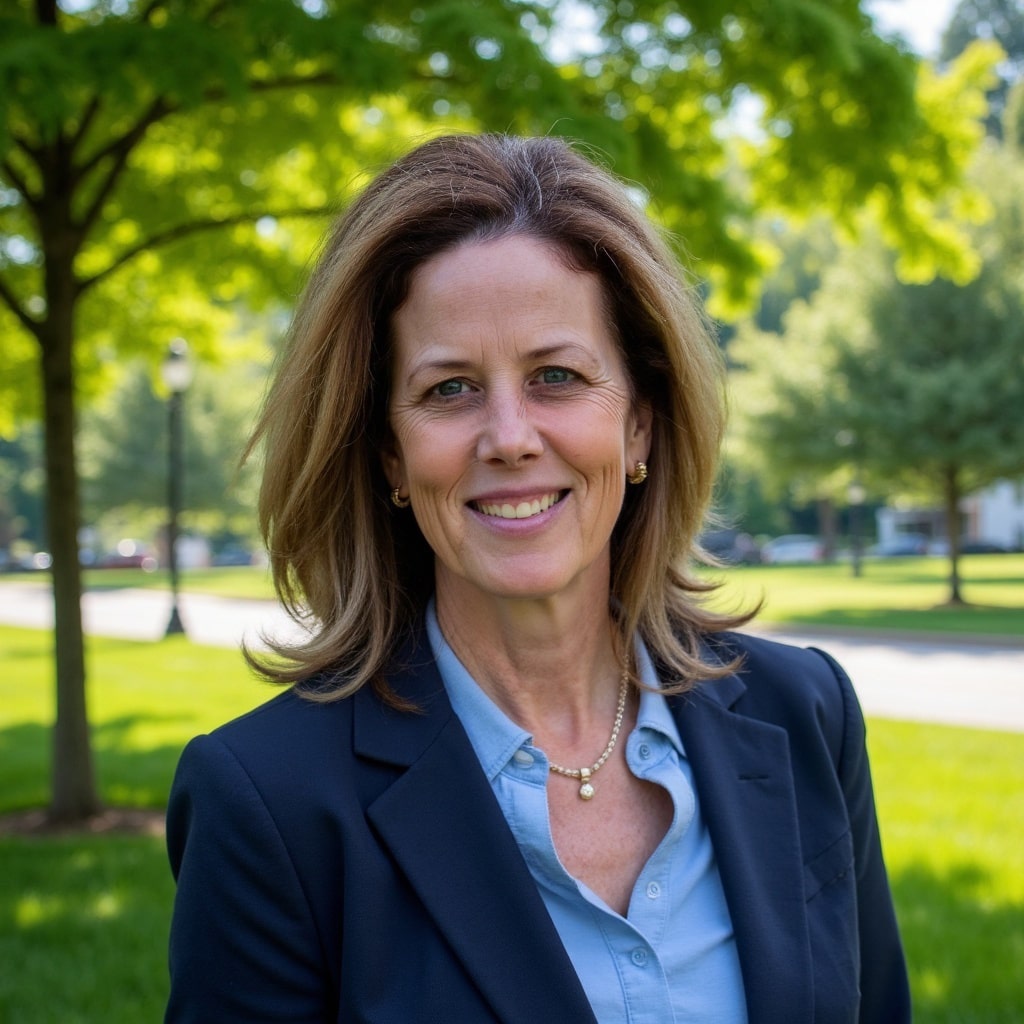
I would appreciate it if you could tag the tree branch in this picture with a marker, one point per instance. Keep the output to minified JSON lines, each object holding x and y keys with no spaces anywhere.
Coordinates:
{"x":293,"y":81}
{"x":11,"y":301}
{"x":124,"y":144}
{"x":46,"y":12}
{"x":92,"y":108}
{"x":120,"y":149}
{"x":181,"y":231}
{"x":19,"y":183}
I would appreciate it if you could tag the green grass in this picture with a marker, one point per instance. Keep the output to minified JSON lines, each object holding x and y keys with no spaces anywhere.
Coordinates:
{"x":85,"y":918}
{"x":951,"y":807}
{"x":243,"y":582}
{"x":83,"y":925}
{"x":144,"y":701}
{"x":892,"y":593}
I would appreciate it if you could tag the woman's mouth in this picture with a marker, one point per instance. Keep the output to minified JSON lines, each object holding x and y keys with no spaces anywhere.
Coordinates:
{"x":521,"y":509}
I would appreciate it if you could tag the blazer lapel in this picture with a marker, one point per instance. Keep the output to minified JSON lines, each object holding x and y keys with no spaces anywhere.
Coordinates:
{"x":744,"y":782}
{"x":442,"y":823}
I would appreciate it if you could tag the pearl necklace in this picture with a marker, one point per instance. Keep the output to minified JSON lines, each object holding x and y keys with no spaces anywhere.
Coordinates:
{"x":584,"y":774}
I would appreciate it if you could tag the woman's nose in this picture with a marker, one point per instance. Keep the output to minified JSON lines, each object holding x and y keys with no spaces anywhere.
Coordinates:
{"x":508,"y":432}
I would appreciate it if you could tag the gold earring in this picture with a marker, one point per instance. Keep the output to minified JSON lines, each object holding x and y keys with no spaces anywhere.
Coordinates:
{"x":639,"y":475}
{"x":397,"y":500}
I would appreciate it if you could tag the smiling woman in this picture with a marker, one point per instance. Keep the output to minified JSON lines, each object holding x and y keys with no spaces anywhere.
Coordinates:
{"x":523,"y":774}
{"x":516,"y":468}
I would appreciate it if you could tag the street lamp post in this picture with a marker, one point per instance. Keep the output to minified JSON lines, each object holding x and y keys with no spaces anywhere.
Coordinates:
{"x":176,"y":371}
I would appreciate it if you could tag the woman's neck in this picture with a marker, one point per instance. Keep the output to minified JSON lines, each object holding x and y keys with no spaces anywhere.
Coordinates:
{"x":549,"y":664}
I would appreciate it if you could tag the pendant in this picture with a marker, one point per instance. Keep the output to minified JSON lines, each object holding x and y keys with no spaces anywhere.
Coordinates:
{"x":586,"y":789}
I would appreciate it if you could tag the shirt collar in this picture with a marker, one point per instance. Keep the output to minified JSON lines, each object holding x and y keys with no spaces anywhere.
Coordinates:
{"x":495,"y":737}
{"x":654,"y":713}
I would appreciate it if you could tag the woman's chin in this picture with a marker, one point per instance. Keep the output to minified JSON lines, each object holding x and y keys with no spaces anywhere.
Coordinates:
{"x":540,"y":579}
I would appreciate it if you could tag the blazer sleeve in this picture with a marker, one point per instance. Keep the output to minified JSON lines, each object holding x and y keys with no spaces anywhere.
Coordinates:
{"x":244,"y":944}
{"x":885,"y":992}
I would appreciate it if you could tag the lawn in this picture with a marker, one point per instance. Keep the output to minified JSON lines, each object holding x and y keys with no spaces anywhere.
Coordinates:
{"x":85,"y":918}
{"x":892,"y":593}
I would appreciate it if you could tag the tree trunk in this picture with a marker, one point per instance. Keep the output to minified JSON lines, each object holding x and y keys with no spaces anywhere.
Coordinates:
{"x":951,"y":492}
{"x":74,"y":796}
{"x":828,"y":527}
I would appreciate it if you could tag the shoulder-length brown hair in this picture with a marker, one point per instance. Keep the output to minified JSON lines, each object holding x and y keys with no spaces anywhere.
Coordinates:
{"x":357,"y":570}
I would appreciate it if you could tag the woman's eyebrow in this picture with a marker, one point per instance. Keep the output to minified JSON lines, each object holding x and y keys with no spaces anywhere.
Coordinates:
{"x":442,"y":363}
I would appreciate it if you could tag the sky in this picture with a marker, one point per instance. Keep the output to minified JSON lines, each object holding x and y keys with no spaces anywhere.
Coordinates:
{"x":920,"y":22}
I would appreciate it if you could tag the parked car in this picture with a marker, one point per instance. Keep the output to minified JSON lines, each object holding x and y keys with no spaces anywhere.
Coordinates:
{"x":35,"y":562}
{"x":731,"y":546}
{"x":902,"y":545}
{"x":792,"y":548}
{"x":232,"y":554}
{"x":983,"y":547}
{"x":129,"y":554}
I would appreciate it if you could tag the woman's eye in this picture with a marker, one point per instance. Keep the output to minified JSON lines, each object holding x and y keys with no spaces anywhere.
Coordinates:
{"x":556,"y":375}
{"x":450,"y":388}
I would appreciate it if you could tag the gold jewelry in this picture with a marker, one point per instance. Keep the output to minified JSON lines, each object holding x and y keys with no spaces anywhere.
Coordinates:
{"x":584,"y":774}
{"x":397,"y":500}
{"x":639,"y":475}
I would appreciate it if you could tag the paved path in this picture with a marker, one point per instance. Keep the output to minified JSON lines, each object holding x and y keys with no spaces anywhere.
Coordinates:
{"x":947,"y":681}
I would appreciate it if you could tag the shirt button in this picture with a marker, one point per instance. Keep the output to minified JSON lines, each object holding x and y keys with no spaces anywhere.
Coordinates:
{"x":639,"y":956}
{"x":523,"y":757}
{"x":653,"y":890}
{"x":644,"y":751}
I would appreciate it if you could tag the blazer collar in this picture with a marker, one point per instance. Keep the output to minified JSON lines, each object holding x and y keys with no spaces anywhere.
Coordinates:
{"x":444,"y":827}
{"x":741,"y":769}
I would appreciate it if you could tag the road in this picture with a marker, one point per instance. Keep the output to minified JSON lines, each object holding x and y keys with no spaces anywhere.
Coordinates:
{"x":942,"y":680}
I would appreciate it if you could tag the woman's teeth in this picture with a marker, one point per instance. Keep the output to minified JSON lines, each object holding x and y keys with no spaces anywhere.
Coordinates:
{"x":523,"y":510}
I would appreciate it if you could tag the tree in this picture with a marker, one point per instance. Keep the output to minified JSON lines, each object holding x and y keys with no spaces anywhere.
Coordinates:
{"x":917,"y":387}
{"x":998,"y":20}
{"x":21,"y":486}
{"x":156,"y":157}
{"x":123,"y":454}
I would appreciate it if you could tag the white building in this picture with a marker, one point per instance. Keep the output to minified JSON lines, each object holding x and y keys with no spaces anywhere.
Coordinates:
{"x":997,"y":514}
{"x":994,"y":515}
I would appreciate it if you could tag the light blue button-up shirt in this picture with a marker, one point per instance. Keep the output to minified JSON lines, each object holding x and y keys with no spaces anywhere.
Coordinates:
{"x":672,"y":959}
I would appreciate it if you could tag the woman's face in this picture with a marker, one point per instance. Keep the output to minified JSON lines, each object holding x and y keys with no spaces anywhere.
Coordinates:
{"x":512,"y":420}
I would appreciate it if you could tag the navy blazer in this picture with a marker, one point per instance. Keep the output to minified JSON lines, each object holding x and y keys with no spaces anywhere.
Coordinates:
{"x":349,"y":862}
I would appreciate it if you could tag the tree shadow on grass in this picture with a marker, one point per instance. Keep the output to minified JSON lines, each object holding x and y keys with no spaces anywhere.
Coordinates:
{"x":943,"y":621}
{"x":964,"y":952}
{"x":128,"y":774}
{"x":85,"y":921}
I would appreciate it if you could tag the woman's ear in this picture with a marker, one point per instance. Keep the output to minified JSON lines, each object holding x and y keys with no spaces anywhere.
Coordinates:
{"x":392,"y":463}
{"x":638,"y":443}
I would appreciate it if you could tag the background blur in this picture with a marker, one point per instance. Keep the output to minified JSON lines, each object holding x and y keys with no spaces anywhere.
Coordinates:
{"x":844,"y":182}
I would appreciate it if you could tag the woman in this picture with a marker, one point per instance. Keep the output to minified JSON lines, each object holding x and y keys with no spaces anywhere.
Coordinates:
{"x":520,"y":774}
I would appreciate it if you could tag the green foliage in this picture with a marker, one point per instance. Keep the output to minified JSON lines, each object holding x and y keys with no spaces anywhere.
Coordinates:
{"x":741,"y":502}
{"x":901,"y":384}
{"x":999,"y":20}
{"x":124,"y":459}
{"x":178,"y":119}
{"x":1013,"y":119}
{"x":21,"y":491}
